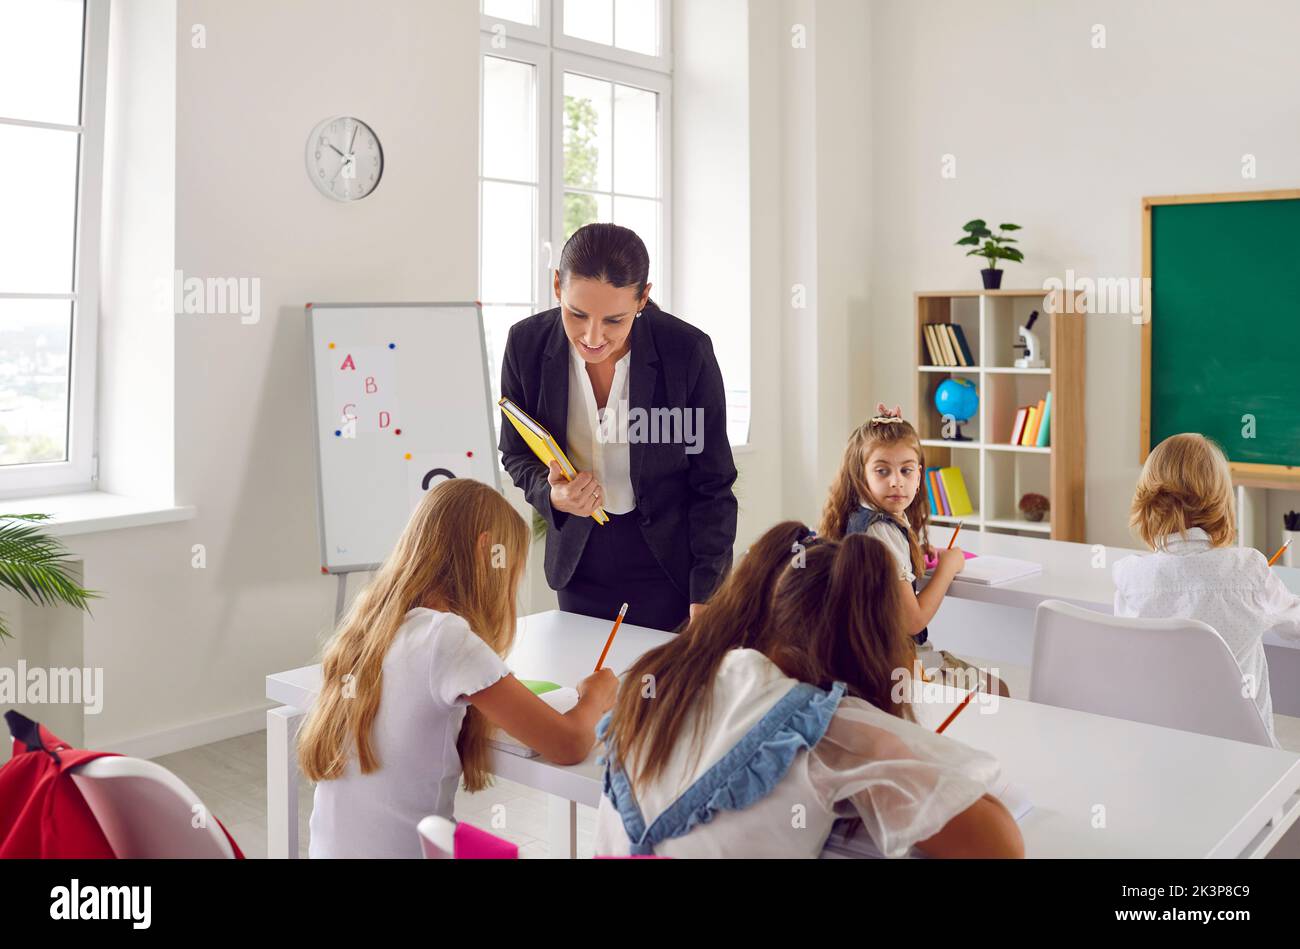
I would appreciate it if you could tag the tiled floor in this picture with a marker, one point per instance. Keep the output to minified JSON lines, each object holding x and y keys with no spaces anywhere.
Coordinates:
{"x":230,"y":778}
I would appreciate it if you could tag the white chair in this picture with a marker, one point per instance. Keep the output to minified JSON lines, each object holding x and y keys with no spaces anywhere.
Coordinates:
{"x":146,"y":812}
{"x":437,"y":838}
{"x":1178,"y":673}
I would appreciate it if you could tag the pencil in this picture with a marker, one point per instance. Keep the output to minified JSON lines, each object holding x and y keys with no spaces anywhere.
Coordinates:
{"x":953,"y":539}
{"x":957,"y":711}
{"x":1280,"y":551}
{"x":605,"y":652}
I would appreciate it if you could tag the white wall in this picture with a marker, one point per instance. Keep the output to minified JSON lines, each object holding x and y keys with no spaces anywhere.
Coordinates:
{"x":1065,"y":140}
{"x":181,"y":645}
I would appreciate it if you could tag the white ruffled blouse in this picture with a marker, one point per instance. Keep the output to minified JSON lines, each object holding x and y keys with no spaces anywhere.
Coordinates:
{"x":904,"y":781}
{"x":1231,"y":588}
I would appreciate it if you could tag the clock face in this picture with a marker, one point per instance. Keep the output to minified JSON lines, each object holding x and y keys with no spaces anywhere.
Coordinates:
{"x":344,"y":158}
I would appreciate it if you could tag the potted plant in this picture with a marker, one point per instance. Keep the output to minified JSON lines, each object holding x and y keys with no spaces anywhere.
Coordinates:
{"x":35,"y":565}
{"x":984,"y":243}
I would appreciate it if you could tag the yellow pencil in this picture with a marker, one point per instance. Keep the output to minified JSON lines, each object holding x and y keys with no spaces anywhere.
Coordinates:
{"x":1280,"y":551}
{"x":605,"y":652}
{"x":952,"y":540}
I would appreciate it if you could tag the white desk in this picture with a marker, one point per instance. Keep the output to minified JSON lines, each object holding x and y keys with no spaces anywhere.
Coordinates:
{"x":998,"y":622}
{"x":1166,"y":793}
{"x":551,"y":646}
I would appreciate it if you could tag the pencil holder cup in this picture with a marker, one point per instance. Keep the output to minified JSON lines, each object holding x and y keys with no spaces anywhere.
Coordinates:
{"x":1292,"y":538}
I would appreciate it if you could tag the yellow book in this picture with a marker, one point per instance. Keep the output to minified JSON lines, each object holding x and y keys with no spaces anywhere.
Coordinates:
{"x":954,"y":485}
{"x":1031,"y":424}
{"x":544,"y":446}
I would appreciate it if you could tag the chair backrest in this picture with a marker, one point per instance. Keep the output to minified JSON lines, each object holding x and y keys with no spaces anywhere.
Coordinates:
{"x":437,"y":838}
{"x":1178,"y":673}
{"x":147,"y":812}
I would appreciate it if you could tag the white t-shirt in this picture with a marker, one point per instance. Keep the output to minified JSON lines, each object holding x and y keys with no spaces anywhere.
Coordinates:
{"x":1231,"y":588}
{"x":896,"y":541}
{"x":609,"y":460}
{"x":904,"y":781}
{"x":435,"y":661}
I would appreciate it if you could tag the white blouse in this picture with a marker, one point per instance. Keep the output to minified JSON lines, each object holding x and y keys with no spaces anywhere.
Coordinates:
{"x":1231,"y":588}
{"x":904,"y":781}
{"x":589,"y":448}
{"x":894,"y":539}
{"x":435,"y":661}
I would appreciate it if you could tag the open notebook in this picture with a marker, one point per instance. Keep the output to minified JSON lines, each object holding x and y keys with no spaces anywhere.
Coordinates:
{"x":559,"y":699}
{"x":991,"y":570}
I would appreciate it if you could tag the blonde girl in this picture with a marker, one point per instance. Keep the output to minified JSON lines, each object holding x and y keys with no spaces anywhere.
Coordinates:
{"x":1183,"y":509}
{"x":414,"y":680}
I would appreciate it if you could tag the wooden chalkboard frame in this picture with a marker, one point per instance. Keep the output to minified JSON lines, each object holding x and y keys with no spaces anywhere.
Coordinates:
{"x":1251,"y":475}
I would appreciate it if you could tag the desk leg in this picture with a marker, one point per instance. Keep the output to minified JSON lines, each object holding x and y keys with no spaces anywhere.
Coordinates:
{"x":282,"y":781}
{"x":562,"y":827}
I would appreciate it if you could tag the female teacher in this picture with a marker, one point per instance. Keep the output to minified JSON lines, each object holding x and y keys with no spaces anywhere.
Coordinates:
{"x":635,"y":398}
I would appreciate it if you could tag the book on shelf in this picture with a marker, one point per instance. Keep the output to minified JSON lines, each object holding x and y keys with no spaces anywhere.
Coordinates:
{"x":932,"y":345}
{"x":967,"y":358}
{"x":929,"y":491}
{"x":1045,"y":429}
{"x":1018,"y":426}
{"x":945,"y":345}
{"x":954,"y":488}
{"x":1030,"y":423}
{"x":936,"y":499}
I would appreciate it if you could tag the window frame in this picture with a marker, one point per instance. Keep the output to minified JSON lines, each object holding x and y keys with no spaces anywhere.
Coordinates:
{"x":540,"y":58}
{"x":79,"y":471}
{"x":537,"y":35}
{"x":546,"y":47}
{"x":621,"y":74}
{"x":662,"y":63}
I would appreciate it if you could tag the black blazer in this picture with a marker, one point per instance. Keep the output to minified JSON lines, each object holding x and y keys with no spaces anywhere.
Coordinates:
{"x":685,"y":502}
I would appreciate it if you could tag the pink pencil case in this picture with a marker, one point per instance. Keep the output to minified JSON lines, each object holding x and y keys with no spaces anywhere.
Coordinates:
{"x":932,"y":562}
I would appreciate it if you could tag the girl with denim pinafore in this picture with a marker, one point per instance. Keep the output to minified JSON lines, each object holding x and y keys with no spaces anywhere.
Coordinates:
{"x":773,"y":715}
{"x":878,"y":493}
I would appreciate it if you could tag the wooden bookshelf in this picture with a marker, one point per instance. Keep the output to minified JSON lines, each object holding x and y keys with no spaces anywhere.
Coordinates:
{"x":997,"y":473}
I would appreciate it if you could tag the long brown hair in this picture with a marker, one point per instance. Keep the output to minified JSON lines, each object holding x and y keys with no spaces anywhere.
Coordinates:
{"x":831,"y":612}
{"x":846,"y":604}
{"x":645,"y":730}
{"x":850,"y":487}
{"x":464,"y":547}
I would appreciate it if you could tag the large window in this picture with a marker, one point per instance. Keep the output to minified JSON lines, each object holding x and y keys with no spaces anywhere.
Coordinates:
{"x":51,"y":107}
{"x":576,"y":100}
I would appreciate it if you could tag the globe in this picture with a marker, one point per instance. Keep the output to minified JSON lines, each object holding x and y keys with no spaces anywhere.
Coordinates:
{"x":960,"y":399}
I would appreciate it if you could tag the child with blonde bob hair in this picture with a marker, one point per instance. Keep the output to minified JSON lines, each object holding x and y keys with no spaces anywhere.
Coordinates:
{"x":414,"y":680}
{"x":1183,"y":510}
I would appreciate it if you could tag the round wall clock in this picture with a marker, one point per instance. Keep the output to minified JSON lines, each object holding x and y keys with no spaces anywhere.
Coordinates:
{"x":344,"y":158}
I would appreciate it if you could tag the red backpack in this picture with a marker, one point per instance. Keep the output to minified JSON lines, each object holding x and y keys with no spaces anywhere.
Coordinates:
{"x":42,"y":813}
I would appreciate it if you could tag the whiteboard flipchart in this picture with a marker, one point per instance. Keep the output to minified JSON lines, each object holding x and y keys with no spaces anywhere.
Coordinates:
{"x":401,"y":401}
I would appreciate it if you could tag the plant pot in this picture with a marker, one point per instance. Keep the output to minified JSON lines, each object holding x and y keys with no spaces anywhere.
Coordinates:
{"x":992,"y":278}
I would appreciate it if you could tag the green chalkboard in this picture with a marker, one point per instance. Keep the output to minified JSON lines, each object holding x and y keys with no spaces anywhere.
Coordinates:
{"x":1225,"y":326}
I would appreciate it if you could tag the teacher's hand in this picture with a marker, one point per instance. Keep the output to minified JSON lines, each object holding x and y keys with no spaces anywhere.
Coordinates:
{"x":581,"y":496}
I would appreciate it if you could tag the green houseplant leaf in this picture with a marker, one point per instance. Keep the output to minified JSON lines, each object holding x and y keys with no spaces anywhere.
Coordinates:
{"x":992,"y":247}
{"x":36,"y":566}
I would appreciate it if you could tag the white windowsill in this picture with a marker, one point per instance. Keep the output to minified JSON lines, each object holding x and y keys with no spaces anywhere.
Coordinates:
{"x":90,"y":512}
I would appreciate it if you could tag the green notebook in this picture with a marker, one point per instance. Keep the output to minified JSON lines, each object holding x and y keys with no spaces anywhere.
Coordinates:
{"x":538,"y":687}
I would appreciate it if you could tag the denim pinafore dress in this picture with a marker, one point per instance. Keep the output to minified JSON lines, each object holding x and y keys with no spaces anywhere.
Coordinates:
{"x":863,"y":518}
{"x":744,"y":775}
